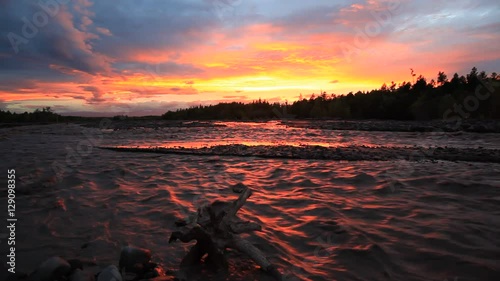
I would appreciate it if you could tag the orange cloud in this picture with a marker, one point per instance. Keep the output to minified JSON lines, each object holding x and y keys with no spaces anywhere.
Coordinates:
{"x":263,"y":58}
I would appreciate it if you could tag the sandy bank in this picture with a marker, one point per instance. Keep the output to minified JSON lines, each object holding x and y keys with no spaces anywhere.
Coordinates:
{"x":350,"y":153}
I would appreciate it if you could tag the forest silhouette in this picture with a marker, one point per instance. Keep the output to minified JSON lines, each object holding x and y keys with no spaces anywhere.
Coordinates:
{"x":420,"y":100}
{"x":45,"y":115}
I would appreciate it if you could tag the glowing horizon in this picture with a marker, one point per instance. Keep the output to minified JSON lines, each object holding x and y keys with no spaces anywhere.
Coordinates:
{"x":94,"y":57}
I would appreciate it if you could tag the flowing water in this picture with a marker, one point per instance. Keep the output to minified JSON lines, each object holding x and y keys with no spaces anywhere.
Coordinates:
{"x":322,"y":220}
{"x":277,"y":133}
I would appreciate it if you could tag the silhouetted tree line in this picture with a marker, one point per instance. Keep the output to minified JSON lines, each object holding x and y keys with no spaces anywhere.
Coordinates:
{"x":234,"y":111}
{"x":44,"y":115}
{"x":420,"y":100}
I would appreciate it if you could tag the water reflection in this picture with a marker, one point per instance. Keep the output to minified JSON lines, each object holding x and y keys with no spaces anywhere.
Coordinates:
{"x":276,"y":133}
{"x":322,"y":220}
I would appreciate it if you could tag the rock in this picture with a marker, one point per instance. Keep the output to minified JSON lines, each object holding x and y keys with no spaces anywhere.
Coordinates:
{"x":93,"y":249}
{"x":110,"y":273}
{"x":80,"y":275}
{"x":151,"y":273}
{"x":54,"y":268}
{"x":76,"y":264}
{"x":134,"y":259}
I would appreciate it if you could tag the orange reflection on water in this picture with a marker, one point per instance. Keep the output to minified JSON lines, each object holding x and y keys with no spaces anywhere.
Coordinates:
{"x":207,"y":143}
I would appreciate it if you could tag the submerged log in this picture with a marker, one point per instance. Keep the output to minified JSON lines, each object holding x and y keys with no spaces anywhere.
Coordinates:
{"x":215,"y":228}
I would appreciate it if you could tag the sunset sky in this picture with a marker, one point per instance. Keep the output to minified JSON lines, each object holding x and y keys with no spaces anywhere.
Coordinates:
{"x":98,"y":58}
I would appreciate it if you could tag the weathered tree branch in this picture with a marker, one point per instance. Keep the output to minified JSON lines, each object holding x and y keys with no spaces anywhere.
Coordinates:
{"x":246,"y":247}
{"x":215,"y":228}
{"x":239,"y":203}
{"x":244,"y":227}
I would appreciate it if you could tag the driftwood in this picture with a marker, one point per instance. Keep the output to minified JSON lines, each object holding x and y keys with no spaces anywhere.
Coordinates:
{"x":215,"y":227}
